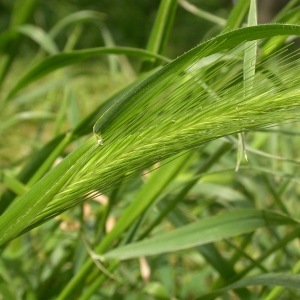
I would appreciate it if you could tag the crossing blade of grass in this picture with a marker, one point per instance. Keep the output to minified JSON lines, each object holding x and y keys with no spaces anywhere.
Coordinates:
{"x":201,"y":232}
{"x":285,"y":280}
{"x":274,"y":43}
{"x":14,"y":184}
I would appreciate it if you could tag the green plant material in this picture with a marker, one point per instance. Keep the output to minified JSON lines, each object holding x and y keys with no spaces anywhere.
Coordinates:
{"x":275,"y":195}
{"x":237,"y":15}
{"x":109,"y":42}
{"x":43,"y":161}
{"x":250,"y":52}
{"x":275,"y":43}
{"x":249,"y":72}
{"x":182,"y":106}
{"x":28,"y":171}
{"x":291,"y":4}
{"x":26,"y":116}
{"x":76,"y":18}
{"x":286,"y":280}
{"x":201,"y":232}
{"x":202,"y":14}
{"x":61,"y":60}
{"x":40,"y":37}
{"x":209,"y":251}
{"x":160,"y":32}
{"x":182,"y":193}
{"x":147,"y":195}
{"x":180,"y":127}
{"x":278,"y":246}
{"x":21,"y":13}
{"x":157,"y":290}
{"x":14,"y":184}
{"x":278,"y":290}
{"x":13,"y":226}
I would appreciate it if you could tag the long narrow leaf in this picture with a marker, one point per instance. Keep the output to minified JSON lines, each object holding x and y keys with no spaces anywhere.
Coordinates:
{"x":202,"y":232}
{"x":61,"y":60}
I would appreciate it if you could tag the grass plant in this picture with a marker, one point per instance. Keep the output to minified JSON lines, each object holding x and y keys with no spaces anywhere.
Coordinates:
{"x":147,"y":194}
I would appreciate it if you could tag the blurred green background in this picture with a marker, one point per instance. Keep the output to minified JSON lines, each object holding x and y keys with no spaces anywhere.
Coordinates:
{"x":129,"y":21}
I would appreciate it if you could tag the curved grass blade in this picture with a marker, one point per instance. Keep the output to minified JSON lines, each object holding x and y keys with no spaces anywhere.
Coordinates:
{"x":75,"y":18}
{"x":39,"y":36}
{"x":61,"y":60}
{"x":202,"y":232}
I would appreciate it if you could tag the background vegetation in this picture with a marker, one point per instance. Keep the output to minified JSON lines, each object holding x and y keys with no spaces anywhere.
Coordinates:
{"x":186,"y":188}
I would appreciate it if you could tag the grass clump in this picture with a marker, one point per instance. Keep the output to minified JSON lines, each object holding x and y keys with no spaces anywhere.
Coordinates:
{"x":92,"y":219}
